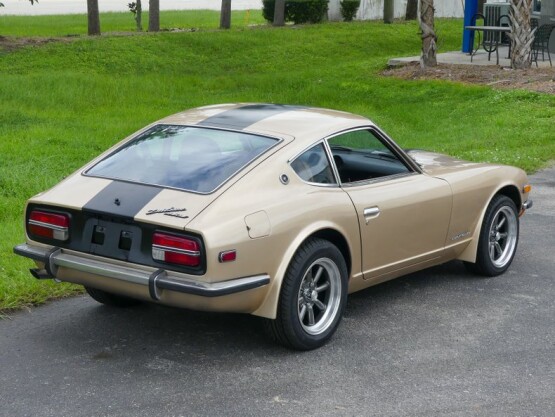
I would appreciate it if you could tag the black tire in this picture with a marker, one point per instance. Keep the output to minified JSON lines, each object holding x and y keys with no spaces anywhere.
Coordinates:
{"x":498,"y":238}
{"x":313,"y":297}
{"x":110,"y":299}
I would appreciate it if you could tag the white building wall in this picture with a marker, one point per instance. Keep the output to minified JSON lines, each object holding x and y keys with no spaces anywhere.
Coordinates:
{"x":373,"y":9}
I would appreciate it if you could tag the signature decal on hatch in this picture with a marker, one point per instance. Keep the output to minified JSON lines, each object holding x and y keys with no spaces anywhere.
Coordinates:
{"x":172,"y":211}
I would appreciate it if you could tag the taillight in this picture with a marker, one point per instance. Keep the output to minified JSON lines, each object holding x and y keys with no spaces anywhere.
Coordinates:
{"x":49,"y":225}
{"x":175,"y":249}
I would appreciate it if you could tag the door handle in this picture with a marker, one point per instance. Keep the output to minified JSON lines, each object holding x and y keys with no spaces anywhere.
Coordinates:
{"x":371,"y":213}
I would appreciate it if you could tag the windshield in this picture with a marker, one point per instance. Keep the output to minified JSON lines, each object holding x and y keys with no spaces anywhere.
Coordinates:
{"x":189,"y":158}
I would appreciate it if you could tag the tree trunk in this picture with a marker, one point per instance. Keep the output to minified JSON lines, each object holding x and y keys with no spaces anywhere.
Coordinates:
{"x":93,"y":18}
{"x":388,"y":11}
{"x":411,"y":12}
{"x":279,"y":13}
{"x":429,"y":38}
{"x":139,"y":15}
{"x":154,"y":16}
{"x":225,"y":16}
{"x":521,"y":34}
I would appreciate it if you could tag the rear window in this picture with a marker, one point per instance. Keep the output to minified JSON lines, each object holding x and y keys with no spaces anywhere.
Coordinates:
{"x":190,"y":158}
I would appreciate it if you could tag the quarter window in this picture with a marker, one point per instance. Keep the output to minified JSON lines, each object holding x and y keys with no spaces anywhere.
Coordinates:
{"x":361,"y":155}
{"x":313,"y":166}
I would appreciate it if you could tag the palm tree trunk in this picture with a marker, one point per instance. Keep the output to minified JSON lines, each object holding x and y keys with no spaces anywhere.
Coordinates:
{"x":521,"y":34}
{"x":429,"y":38}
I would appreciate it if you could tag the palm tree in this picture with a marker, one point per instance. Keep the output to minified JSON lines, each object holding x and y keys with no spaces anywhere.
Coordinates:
{"x":521,"y":34}
{"x":429,"y":38}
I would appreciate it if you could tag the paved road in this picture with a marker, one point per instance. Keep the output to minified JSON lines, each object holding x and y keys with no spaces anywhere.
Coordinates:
{"x":47,"y":7}
{"x":435,"y":343}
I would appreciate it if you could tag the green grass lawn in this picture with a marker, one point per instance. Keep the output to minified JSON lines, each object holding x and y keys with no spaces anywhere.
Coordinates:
{"x":76,"y":24}
{"x":64,"y":102}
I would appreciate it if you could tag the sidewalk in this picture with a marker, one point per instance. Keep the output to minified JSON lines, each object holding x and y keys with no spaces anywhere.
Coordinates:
{"x":461,"y":58}
{"x":49,"y":7}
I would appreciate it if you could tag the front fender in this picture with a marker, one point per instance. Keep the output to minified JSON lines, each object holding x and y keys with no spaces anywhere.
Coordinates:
{"x":511,"y":187}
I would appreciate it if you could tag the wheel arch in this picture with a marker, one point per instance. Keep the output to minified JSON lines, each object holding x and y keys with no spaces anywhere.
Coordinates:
{"x":335,"y":237}
{"x":327,"y":232}
{"x":509,"y":190}
{"x":513,"y":193}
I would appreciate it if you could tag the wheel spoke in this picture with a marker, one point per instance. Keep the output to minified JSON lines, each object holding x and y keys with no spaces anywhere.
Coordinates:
{"x":498,"y":248}
{"x":495,"y":222}
{"x":323,"y":287}
{"x":303,"y":312}
{"x":318,"y":274}
{"x":501,"y":223}
{"x":320,"y":305}
{"x":502,"y":235}
{"x":311,"y":321}
{"x":492,"y":250}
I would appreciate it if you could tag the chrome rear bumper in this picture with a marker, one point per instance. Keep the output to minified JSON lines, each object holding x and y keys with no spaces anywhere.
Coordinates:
{"x":158,"y":279}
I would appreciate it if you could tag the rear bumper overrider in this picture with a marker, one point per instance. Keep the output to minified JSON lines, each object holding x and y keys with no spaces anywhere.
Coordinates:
{"x":157,"y":280}
{"x":527,"y":205}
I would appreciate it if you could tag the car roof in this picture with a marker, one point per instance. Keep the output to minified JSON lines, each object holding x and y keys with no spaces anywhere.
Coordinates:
{"x":286,"y":121}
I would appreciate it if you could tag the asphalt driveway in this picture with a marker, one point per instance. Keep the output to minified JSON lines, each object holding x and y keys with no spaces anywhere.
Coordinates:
{"x":440,"y":342}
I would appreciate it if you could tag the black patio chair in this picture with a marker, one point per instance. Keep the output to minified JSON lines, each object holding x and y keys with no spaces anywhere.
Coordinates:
{"x":533,"y":23}
{"x":504,"y":20}
{"x":489,"y":46}
{"x":541,"y":42}
{"x":504,"y":38}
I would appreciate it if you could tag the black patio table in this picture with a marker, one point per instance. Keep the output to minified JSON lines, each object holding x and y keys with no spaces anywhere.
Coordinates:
{"x":497,"y":30}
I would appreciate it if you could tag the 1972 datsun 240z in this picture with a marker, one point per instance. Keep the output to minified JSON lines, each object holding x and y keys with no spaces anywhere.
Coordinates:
{"x":272,"y":210}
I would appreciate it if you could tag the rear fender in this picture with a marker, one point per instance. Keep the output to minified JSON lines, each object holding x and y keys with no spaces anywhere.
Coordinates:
{"x":269,"y":306}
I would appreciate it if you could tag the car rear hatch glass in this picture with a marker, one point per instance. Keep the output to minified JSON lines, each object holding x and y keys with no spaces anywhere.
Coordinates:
{"x":183,"y":157}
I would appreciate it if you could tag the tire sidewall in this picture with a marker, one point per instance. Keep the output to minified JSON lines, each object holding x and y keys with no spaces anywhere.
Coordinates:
{"x":483,"y":258}
{"x":318,"y":249}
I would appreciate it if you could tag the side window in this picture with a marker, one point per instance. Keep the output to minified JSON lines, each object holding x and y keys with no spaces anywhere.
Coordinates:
{"x":313,"y":166}
{"x":360,"y":156}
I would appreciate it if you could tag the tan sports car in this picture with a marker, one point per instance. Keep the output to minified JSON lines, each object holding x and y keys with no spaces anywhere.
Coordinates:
{"x":272,"y":210}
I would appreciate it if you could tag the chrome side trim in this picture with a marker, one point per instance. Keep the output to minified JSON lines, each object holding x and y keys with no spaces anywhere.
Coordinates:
{"x":159,"y":279}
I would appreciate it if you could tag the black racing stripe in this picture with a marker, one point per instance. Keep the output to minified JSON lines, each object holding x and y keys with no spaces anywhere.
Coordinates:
{"x":242,"y":117}
{"x":122,"y":199}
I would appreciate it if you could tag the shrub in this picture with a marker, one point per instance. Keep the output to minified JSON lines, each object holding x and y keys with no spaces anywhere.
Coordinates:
{"x":349,"y":9}
{"x":297,"y":11}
